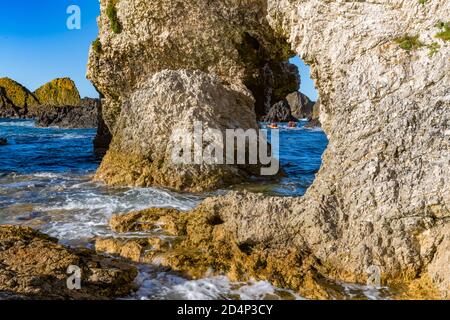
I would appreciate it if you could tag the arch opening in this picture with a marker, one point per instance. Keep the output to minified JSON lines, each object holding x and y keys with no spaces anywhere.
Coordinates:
{"x":289,"y":96}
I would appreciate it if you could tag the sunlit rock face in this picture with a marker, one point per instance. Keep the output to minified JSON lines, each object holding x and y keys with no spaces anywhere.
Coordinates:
{"x":229,"y":40}
{"x":35,"y":266}
{"x":146,"y":140}
{"x":382,"y":196}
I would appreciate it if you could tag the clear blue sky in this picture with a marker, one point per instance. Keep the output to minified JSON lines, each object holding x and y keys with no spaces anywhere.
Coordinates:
{"x":307,"y":85}
{"x":36,"y":46}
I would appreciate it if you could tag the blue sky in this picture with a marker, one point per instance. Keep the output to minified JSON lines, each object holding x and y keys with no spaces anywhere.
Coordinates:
{"x":307,"y":85}
{"x":36,"y":46}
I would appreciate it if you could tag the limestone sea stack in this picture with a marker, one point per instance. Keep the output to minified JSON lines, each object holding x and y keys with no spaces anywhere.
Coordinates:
{"x":381,"y":199}
{"x":164,"y":78}
{"x":142,"y":147}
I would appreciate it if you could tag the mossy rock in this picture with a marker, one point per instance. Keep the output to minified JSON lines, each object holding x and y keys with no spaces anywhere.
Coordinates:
{"x":444,"y":34}
{"x":409,"y":43}
{"x":16,"y":94}
{"x":58,"y":92}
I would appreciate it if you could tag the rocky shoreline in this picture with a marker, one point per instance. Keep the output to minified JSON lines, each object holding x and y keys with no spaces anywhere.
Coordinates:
{"x":35,"y":266}
{"x":84,"y":115}
{"x":56,"y":103}
{"x":378,"y":207}
{"x":380,"y":200}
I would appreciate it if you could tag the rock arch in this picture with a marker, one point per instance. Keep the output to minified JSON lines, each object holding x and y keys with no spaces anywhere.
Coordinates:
{"x":382,"y":196}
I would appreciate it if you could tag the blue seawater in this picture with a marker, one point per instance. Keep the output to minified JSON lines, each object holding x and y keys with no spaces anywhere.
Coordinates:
{"x":45,"y":179}
{"x":45,"y":183}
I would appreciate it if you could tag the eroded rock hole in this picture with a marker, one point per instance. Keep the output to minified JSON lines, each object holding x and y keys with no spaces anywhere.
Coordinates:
{"x":287,"y":99}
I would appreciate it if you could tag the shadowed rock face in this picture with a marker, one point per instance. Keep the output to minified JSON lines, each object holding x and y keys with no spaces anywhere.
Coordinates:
{"x":34,"y":265}
{"x":301,"y":106}
{"x":85,"y":115}
{"x":280,"y":112}
{"x":381,"y":197}
{"x":274,"y":82}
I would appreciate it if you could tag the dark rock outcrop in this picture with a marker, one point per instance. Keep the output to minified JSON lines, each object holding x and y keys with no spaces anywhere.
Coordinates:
{"x":103,"y":137}
{"x":271,"y":85}
{"x":34,"y":265}
{"x":315,"y":121}
{"x":280,"y":112}
{"x":301,"y":106}
{"x":85,"y":115}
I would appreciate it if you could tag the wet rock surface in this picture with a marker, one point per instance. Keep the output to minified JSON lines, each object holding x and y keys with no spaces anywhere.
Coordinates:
{"x":34,"y":265}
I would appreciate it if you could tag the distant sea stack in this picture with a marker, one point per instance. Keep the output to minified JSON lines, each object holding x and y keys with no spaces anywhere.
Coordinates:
{"x":58,"y":92}
{"x":15,"y":99}
{"x":56,"y":103}
{"x":301,"y":106}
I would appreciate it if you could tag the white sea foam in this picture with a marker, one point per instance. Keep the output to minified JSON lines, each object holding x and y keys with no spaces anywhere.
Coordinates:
{"x":70,"y":136}
{"x":315,"y":129}
{"x":168,"y":286}
{"x":49,"y":175}
{"x":354,"y":291}
{"x":17,"y":124}
{"x":80,"y":212}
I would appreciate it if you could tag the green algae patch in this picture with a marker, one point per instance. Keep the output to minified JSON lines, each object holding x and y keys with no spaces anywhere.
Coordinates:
{"x":111,"y":13}
{"x":97,"y":46}
{"x":58,"y":92}
{"x":444,"y":34}
{"x":409,"y":43}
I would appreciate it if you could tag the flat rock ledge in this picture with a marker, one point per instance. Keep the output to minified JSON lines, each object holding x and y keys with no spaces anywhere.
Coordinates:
{"x":33,"y":265}
{"x":208,"y":240}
